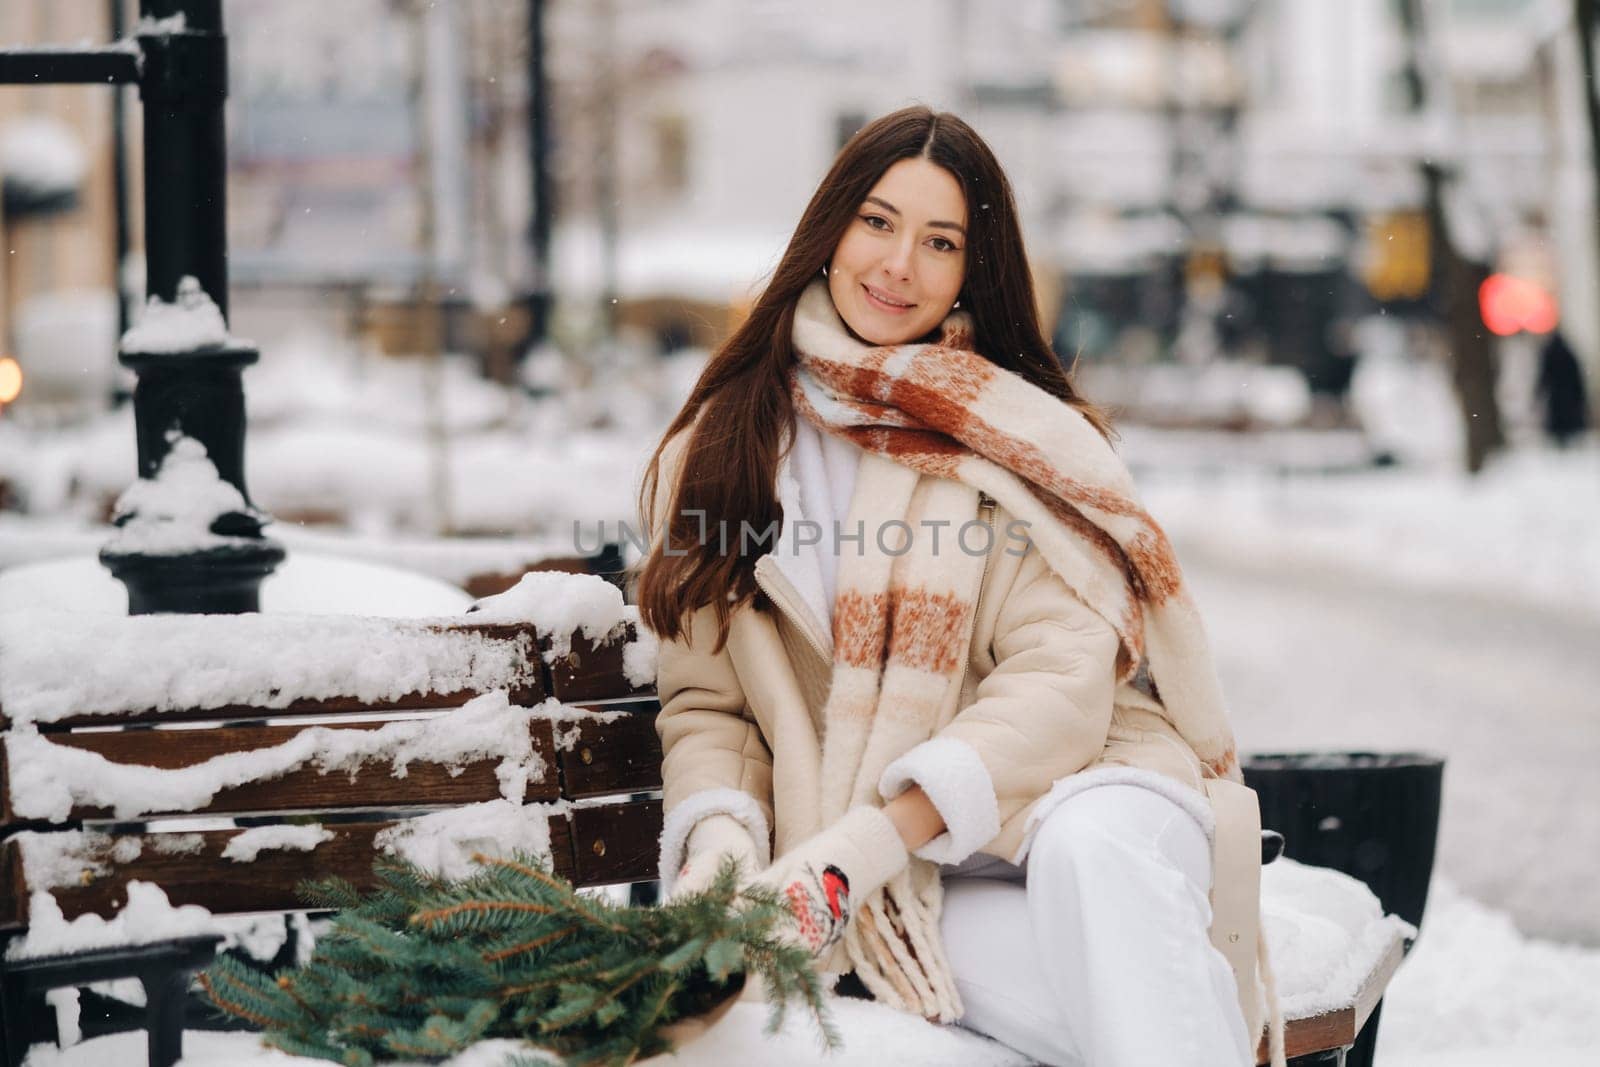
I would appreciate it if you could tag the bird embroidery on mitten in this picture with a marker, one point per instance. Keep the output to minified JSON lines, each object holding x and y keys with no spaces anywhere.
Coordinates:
{"x":821,"y":906}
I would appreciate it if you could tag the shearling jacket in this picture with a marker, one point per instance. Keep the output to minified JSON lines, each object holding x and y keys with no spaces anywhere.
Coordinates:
{"x":1039,"y":717}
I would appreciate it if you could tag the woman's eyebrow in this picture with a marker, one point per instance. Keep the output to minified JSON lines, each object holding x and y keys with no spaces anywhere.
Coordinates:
{"x":937,"y":223}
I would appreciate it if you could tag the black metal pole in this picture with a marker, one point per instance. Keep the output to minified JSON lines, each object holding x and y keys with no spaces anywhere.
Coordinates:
{"x":184,"y":86}
{"x":542,"y":225}
{"x":119,"y":177}
{"x":195,"y":393}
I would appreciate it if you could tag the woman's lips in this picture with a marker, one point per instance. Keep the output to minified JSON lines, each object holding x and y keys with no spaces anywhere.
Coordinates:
{"x":892,"y":309}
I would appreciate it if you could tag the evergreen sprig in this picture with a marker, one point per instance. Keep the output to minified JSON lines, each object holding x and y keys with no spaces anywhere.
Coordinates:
{"x":421,"y":967}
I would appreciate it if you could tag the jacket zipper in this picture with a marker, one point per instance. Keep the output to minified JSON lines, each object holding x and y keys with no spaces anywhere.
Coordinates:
{"x":783,"y":606}
{"x":986,"y":507}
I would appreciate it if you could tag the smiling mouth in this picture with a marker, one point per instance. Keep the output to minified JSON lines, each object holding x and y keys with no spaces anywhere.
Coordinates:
{"x":884,"y":302}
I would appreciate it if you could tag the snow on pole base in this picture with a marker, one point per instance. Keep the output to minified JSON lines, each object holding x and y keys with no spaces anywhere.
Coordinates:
{"x":192,"y":323}
{"x":190,"y":388}
{"x":178,"y":510}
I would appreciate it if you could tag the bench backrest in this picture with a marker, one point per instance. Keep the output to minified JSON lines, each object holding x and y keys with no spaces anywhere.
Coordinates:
{"x":591,"y":761}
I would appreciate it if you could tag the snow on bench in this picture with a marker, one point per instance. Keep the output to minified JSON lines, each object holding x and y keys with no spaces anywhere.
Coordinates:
{"x":525,"y":712}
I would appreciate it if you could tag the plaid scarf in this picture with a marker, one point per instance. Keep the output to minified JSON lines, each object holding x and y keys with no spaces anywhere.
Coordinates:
{"x":904,"y":611}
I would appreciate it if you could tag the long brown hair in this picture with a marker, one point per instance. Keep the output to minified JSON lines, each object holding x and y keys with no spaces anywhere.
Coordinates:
{"x":740,"y":408}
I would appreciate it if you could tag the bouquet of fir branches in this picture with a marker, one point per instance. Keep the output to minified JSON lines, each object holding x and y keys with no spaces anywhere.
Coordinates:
{"x":420,"y":967}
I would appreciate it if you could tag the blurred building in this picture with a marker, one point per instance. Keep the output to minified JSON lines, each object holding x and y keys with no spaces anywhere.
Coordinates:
{"x":1197,"y":178}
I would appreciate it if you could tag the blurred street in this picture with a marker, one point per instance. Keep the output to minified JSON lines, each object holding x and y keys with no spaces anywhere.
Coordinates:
{"x":1325,"y":658}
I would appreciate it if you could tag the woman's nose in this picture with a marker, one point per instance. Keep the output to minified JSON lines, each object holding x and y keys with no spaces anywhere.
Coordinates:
{"x":898,"y":261}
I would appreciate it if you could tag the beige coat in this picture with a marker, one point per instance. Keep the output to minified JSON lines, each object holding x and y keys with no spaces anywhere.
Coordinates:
{"x":1038,"y":703}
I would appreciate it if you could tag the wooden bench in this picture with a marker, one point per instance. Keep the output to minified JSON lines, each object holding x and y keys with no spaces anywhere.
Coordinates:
{"x":595,"y":771}
{"x":598,"y":764}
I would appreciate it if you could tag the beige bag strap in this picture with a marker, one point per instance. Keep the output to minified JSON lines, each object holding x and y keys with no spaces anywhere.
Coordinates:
{"x":1236,"y":889}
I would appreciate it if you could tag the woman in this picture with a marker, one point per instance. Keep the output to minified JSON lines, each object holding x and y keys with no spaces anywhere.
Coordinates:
{"x":926,"y":668}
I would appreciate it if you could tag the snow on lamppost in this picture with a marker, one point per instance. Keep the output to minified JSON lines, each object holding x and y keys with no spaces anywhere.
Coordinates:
{"x":188,"y":539}
{"x":206,"y":554}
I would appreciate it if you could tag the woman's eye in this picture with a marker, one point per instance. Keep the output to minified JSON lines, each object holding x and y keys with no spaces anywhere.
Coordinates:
{"x":944,"y":245}
{"x":873,"y":220}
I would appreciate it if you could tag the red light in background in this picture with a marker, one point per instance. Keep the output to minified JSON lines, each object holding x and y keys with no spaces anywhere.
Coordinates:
{"x":1509,"y":304}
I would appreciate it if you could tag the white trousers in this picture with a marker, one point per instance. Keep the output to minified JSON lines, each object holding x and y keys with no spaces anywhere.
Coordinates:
{"x":1099,"y":956}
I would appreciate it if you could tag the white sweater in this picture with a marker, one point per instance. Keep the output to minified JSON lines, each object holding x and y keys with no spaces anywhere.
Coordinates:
{"x":816,"y":481}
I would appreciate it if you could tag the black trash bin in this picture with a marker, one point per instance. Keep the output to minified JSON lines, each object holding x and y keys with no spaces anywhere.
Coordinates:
{"x":1372,"y":815}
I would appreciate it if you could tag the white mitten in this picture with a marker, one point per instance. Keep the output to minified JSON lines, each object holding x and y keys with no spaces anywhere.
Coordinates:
{"x":715,"y":838}
{"x":820,"y":876}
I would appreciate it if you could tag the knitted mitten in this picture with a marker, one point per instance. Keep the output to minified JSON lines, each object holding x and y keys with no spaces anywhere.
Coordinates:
{"x":819,"y":877}
{"x":715,"y":838}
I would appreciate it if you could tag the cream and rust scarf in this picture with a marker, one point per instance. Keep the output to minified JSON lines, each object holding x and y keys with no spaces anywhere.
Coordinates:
{"x":904,"y":609}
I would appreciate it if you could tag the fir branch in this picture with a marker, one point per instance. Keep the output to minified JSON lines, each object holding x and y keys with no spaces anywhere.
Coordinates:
{"x":529,"y":946}
{"x":424,"y":967}
{"x":438,"y":915}
{"x":564,"y":889}
{"x":232,"y":1007}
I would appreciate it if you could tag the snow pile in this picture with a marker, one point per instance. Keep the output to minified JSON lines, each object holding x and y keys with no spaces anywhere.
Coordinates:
{"x":1475,"y":991}
{"x":54,"y":664}
{"x":311,"y":584}
{"x":173,"y":512}
{"x":445,"y":841}
{"x":147,"y":916}
{"x":561,"y":604}
{"x":304,"y":584}
{"x":48,"y":780}
{"x":41,"y":156}
{"x":451,"y":559}
{"x":193,"y":321}
{"x":640,"y":656}
{"x":151,"y":26}
{"x":245,"y":847}
{"x":65,"y":859}
{"x":1325,"y":932}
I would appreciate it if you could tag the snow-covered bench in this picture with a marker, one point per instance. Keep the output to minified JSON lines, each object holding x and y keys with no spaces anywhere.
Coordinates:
{"x":526,"y":726}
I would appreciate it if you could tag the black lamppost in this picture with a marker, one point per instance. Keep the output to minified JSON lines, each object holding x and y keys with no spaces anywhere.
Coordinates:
{"x":189,"y":387}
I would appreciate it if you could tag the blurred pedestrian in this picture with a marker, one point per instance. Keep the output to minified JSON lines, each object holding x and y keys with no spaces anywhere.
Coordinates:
{"x":1561,"y":391}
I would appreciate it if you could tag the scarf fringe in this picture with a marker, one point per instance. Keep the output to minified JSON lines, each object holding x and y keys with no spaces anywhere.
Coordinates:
{"x":905,"y":968}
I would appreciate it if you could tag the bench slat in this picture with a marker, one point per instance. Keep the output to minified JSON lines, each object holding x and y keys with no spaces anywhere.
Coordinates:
{"x":523,"y":697}
{"x":305,"y":789}
{"x":622,"y":755}
{"x":616,"y":842}
{"x":1336,"y":1029}
{"x":221,"y":886}
{"x":591,"y":672}
{"x":527,"y":689}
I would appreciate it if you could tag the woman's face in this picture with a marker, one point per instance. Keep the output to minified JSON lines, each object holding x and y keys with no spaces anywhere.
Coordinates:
{"x":900,"y":264}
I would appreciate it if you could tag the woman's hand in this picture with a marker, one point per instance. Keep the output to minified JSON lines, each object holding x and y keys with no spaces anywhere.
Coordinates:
{"x":821,"y":876}
{"x":715,"y":839}
{"x":915,"y":817}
